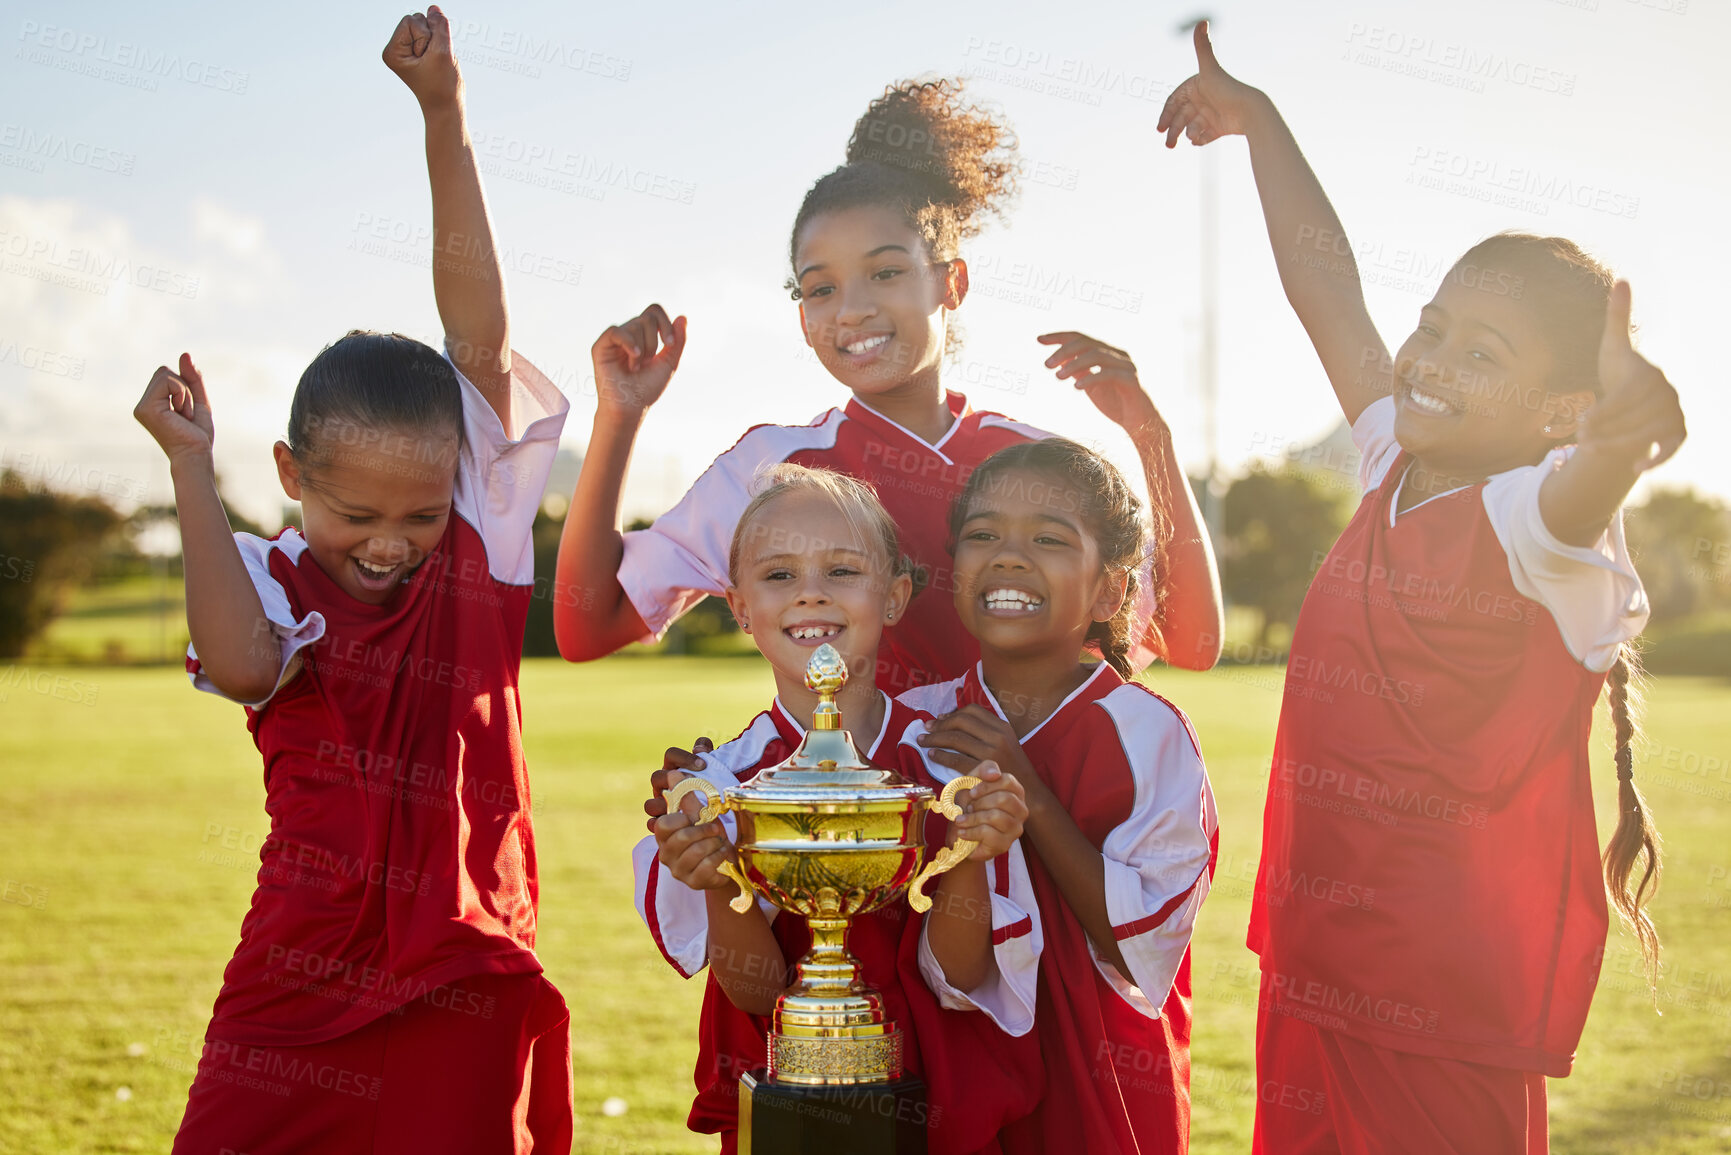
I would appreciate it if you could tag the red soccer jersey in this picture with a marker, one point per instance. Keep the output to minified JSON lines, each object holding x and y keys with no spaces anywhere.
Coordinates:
{"x":978,"y":1077}
{"x":401,"y":855}
{"x":1429,"y":879}
{"x":674,"y":564}
{"x":1126,"y":766}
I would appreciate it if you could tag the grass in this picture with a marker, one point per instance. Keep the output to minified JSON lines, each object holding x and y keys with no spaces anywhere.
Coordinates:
{"x":131,"y":812}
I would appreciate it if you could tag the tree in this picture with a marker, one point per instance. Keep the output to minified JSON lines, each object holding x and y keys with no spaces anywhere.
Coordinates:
{"x":48,"y":543}
{"x":1277,"y":523}
{"x":1681,"y":545}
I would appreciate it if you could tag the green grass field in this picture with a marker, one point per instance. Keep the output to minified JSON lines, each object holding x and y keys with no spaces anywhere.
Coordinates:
{"x":131,"y":813}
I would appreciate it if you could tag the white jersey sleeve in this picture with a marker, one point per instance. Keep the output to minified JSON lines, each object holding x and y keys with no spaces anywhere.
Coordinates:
{"x":681,"y":559}
{"x":1157,"y":861}
{"x":1373,"y":436}
{"x":288,"y":634}
{"x":1593,"y":592}
{"x":1009,"y":995}
{"x":500,"y":480}
{"x":676,"y":915}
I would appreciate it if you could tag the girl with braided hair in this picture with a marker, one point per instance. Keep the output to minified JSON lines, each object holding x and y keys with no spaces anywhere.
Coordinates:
{"x":1429,"y":909}
{"x":1121,"y":832}
{"x":876,"y":266}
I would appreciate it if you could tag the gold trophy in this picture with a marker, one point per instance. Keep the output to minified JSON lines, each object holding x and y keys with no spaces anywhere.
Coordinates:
{"x":826,"y":835}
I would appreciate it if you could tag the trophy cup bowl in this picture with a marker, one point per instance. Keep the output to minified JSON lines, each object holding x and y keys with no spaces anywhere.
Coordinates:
{"x":828,"y":837}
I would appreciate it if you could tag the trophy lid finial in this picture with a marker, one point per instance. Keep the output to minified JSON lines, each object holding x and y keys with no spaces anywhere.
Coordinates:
{"x":825,"y":675}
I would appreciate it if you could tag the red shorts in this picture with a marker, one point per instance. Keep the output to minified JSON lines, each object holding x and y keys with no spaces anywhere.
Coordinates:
{"x":1321,"y":1091}
{"x":476,"y":1067}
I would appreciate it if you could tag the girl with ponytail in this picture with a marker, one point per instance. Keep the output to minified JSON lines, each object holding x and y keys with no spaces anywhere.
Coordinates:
{"x":876,"y":267}
{"x":1120,"y":832}
{"x":1430,"y":902}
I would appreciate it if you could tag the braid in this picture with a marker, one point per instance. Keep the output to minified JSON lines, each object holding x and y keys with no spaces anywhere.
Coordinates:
{"x":1635,"y":833}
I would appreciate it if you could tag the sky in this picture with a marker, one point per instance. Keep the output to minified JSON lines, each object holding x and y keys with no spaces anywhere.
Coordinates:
{"x":247,"y":183}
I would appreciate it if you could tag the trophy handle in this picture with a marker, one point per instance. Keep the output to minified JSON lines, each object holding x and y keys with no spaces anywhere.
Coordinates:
{"x":713,"y":807}
{"x":949,"y":856}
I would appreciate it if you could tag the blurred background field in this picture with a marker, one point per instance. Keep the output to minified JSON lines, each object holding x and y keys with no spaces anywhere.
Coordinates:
{"x":131,"y":815}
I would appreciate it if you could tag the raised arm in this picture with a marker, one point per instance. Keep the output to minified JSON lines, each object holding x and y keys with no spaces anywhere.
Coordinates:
{"x":468,"y":284}
{"x":592,"y":617}
{"x":1317,"y":267}
{"x":235,"y":644}
{"x":1636,"y":425}
{"x":1190,"y":620}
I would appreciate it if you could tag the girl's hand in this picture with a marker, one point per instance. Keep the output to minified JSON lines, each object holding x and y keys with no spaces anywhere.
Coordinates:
{"x":676,"y":765}
{"x":992,"y":813}
{"x":1108,"y":377}
{"x":1638,"y":420}
{"x":630,"y":372}
{"x":1210,"y":104}
{"x":420,"y":53}
{"x":964,"y":738}
{"x":175,"y":411}
{"x":691,"y":851}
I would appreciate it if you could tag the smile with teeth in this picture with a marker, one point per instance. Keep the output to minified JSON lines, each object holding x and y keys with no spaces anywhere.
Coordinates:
{"x":1020,"y":600}
{"x":810,"y":632}
{"x":867,"y":344}
{"x":1427,"y":402}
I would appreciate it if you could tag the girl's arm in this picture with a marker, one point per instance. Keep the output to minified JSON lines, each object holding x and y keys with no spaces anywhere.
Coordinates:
{"x":959,"y":925}
{"x":1191,"y":621}
{"x":974,"y":734}
{"x":744,"y":956}
{"x":592,"y":617}
{"x":468,"y":284}
{"x":1637,"y":424}
{"x":236,"y":647}
{"x":1317,"y":267}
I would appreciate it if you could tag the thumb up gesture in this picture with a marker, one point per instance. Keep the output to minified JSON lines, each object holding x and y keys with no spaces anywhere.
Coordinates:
{"x":420,"y":53}
{"x":1638,"y":419}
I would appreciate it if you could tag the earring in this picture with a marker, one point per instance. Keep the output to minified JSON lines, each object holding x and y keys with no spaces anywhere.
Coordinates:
{"x":1547,"y":429}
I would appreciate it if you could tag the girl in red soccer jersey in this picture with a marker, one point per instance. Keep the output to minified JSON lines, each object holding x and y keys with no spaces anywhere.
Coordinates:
{"x":1429,"y":910}
{"x":385,"y":995}
{"x":877,"y":269}
{"x":1121,"y":830}
{"x":815,"y":559}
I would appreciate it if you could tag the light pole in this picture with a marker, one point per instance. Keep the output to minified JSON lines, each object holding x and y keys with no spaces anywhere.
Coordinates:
{"x":1208,"y":244}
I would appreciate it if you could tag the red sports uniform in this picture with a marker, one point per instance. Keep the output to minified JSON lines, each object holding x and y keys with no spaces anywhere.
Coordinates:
{"x":385,"y":995}
{"x":671,"y":566}
{"x":1428,"y":909}
{"x":975,"y":1051}
{"x":1126,"y":766}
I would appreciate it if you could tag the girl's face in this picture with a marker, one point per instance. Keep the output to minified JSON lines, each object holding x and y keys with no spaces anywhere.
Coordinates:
{"x":1473,"y":388}
{"x":808,"y":575}
{"x":372,"y":512}
{"x":1029,"y":579}
{"x":872,"y":302}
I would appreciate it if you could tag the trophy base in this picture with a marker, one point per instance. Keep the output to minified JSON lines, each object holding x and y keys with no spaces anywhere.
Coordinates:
{"x":854,"y":1119}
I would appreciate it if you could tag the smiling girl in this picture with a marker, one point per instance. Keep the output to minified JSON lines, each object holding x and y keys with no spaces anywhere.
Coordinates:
{"x":1460,"y":632}
{"x":815,"y":561}
{"x":1121,"y":828}
{"x":876,"y":266}
{"x":385,"y":994}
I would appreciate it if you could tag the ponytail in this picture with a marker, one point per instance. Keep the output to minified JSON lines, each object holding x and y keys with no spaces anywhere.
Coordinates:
{"x":1635,"y":832}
